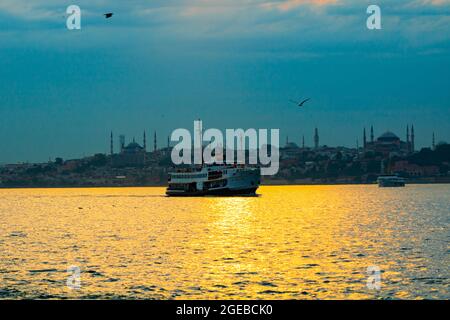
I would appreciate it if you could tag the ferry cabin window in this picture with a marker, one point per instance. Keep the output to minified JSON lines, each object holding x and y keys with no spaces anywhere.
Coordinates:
{"x":190,"y":176}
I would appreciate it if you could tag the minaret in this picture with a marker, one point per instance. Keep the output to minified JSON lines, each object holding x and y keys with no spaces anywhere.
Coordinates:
{"x":154,"y":142}
{"x":412,"y":139}
{"x":371,"y":134}
{"x":168,"y":142}
{"x":408,"y":143}
{"x":145,"y":142}
{"x":122,"y":142}
{"x":287,"y":140}
{"x":364,"y":139}
{"x":111,"y":144}
{"x":303,"y":142}
{"x":433,"y":142}
{"x":316,"y":138}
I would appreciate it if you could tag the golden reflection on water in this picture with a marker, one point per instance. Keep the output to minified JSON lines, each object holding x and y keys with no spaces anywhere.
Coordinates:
{"x":291,"y":242}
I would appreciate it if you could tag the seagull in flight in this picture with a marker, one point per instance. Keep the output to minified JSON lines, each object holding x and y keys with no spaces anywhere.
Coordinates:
{"x":301,"y":103}
{"x":108,"y":15}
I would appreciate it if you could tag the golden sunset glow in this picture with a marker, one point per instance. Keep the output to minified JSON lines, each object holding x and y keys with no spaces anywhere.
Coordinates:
{"x":301,"y":242}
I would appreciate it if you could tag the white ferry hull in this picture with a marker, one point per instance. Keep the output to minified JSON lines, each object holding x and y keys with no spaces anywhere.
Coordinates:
{"x":215,"y":192}
{"x":217,"y":181}
{"x":391,"y":182}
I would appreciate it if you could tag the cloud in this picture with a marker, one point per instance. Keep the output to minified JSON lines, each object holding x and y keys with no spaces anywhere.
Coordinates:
{"x":436,"y":2}
{"x":288,"y":25}
{"x":27,"y":10}
{"x":291,"y":4}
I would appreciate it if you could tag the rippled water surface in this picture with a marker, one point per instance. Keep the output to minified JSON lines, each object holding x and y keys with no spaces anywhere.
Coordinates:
{"x":291,"y":242}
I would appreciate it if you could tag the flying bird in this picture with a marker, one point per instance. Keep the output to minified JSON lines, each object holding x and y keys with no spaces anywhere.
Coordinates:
{"x":108,"y":15}
{"x":300,"y":104}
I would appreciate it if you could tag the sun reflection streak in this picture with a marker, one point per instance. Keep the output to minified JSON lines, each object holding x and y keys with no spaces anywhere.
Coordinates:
{"x":293,"y":242}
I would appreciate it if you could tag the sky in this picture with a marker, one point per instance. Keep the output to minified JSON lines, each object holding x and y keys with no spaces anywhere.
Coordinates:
{"x":161,"y":64}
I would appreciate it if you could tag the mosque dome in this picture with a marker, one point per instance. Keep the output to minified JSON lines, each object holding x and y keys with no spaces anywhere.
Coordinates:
{"x":291,"y":145}
{"x":388,"y":137}
{"x":133,"y":145}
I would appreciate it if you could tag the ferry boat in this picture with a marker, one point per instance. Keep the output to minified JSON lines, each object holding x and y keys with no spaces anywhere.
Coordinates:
{"x":226,"y":180}
{"x":390,"y":181}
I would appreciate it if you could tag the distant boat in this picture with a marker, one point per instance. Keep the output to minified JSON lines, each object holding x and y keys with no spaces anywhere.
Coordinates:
{"x":391,"y":181}
{"x":228,"y":180}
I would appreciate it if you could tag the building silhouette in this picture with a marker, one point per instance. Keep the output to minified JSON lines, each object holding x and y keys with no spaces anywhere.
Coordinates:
{"x":389,"y":143}
{"x":145,"y":142}
{"x":316,"y":138}
{"x":131,"y":155}
{"x":433,"y":142}
{"x":111,"y":145}
{"x":122,"y":142}
{"x":408,"y":140}
{"x":364,"y":139}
